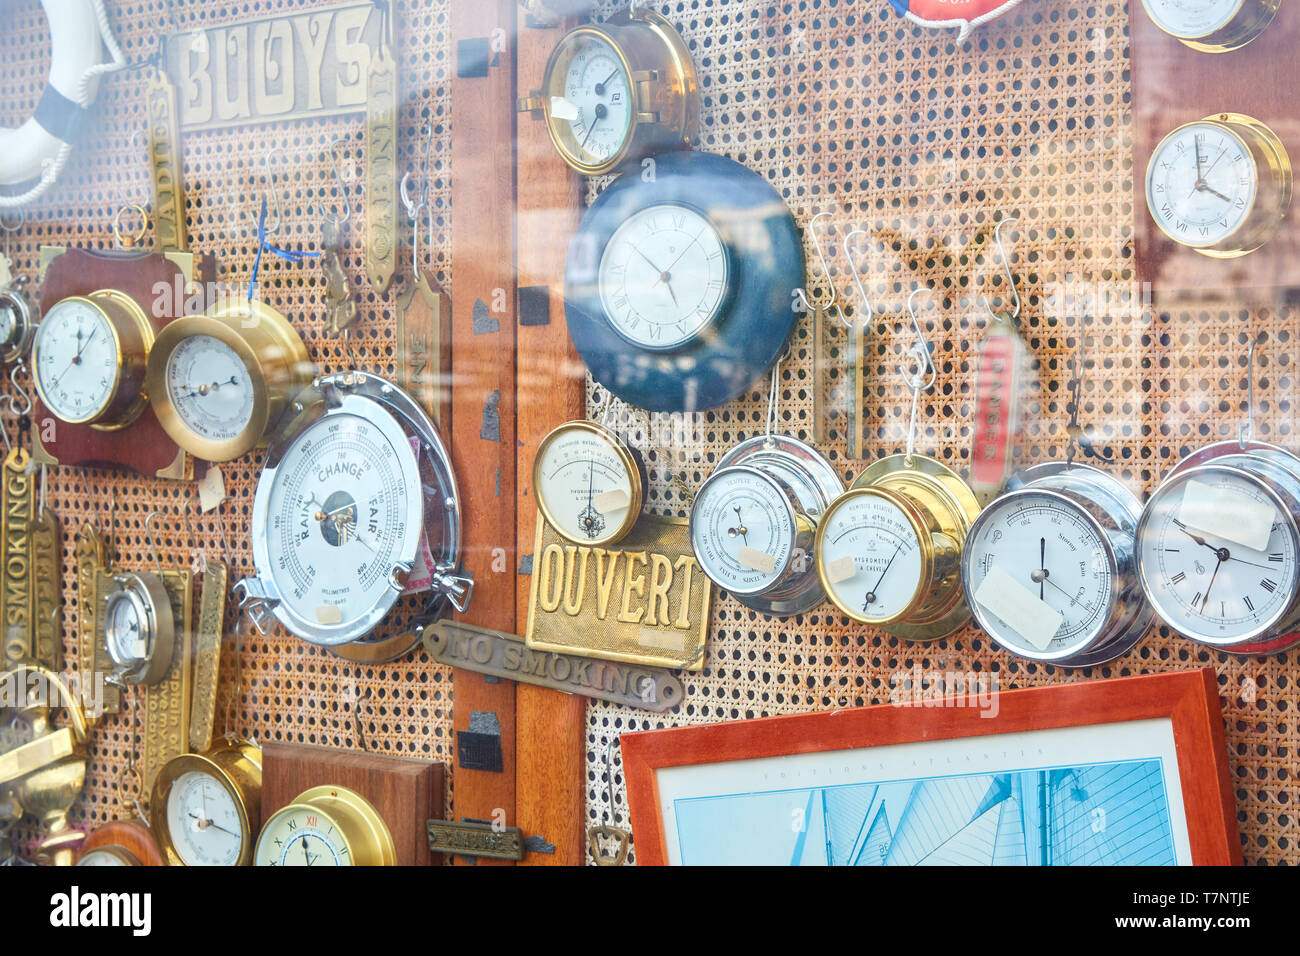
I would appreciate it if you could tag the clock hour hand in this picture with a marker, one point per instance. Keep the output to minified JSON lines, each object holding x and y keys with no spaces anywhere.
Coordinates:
{"x":1195,"y":537}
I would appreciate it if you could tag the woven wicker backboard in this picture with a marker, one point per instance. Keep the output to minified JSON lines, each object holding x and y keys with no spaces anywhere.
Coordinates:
{"x":893,"y":129}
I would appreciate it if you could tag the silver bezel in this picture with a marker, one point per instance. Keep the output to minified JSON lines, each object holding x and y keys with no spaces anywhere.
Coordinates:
{"x":25,"y":320}
{"x":146,"y":593}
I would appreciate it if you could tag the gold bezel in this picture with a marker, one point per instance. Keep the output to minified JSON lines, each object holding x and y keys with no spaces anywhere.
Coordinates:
{"x":237,"y":768}
{"x":1233,"y":34}
{"x":364,"y":832}
{"x":625,"y":457}
{"x":280,"y":357}
{"x":923,"y":537}
{"x":549,"y":77}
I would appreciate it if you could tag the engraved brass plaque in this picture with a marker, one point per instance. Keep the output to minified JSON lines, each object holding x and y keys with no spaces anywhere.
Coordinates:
{"x":207,"y":653}
{"x":17,"y":504}
{"x":270,"y":69}
{"x":165,"y":165}
{"x":476,"y":839}
{"x":165,"y":730}
{"x":92,"y":656}
{"x":644,"y":601}
{"x":381,"y":171}
{"x":423,"y":312}
{"x":47,"y":580}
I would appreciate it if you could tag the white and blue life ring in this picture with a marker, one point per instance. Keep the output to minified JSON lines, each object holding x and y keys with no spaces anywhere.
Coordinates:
{"x":964,"y":15}
{"x":32,"y":155}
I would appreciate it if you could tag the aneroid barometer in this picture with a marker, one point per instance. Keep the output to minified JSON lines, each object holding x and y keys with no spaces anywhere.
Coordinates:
{"x":88,"y":359}
{"x":589,"y":483}
{"x":222,"y":382}
{"x":206,"y":807}
{"x":618,"y":91}
{"x":341,"y":507}
{"x":1212,"y":26}
{"x":1221,"y":185}
{"x":753,"y":521}
{"x":326,"y":826}
{"x":1049,"y":568}
{"x":1219,"y":546}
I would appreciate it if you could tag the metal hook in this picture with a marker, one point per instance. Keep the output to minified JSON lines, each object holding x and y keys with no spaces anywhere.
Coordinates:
{"x":18,"y":390}
{"x":10,"y":230}
{"x":857,"y":279}
{"x":413,"y":207}
{"x":347,"y":347}
{"x":275,"y":193}
{"x":356,"y":716}
{"x":199,"y":554}
{"x":148,"y":530}
{"x":1006,"y":264}
{"x":771,"y":395}
{"x":802,"y":294}
{"x":1246,"y":430}
{"x":920,"y":351}
{"x":342,"y":186}
{"x":609,"y":771}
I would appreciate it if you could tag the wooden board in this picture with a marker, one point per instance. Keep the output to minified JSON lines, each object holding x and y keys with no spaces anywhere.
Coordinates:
{"x":407,"y":793}
{"x":130,"y":835}
{"x":483,"y":356}
{"x":1174,"y":84}
{"x":549,"y":790}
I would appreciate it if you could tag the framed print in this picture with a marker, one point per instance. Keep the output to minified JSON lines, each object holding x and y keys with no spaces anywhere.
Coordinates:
{"x":1131,"y":771}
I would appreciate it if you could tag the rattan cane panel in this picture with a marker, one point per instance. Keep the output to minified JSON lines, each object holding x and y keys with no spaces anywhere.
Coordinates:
{"x":289,"y":690}
{"x":895,"y":130}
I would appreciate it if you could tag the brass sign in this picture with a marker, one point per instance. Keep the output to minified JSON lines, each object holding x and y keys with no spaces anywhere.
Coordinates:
{"x":47,"y":579}
{"x":92,"y":657}
{"x":165,"y":165}
{"x":645,"y":601}
{"x":270,"y":69}
{"x":504,"y":655}
{"x":167,"y":704}
{"x":476,"y":839}
{"x":17,"y":503}
{"x":207,"y":653}
{"x":423,"y":311}
{"x":381,"y":171}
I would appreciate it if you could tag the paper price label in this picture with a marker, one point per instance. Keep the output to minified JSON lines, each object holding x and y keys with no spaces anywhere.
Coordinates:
{"x":563,"y":109}
{"x":841,"y":569}
{"x":613,"y":500}
{"x":1226,"y":514}
{"x":756,"y":560}
{"x":1019,"y":608}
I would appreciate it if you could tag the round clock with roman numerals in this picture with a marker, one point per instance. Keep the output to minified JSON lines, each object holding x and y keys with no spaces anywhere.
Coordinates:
{"x":679,"y":282}
{"x":1218,"y":547}
{"x":1220,"y":186}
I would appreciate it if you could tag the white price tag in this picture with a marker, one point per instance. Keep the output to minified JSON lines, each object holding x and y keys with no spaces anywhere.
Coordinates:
{"x":1019,"y":608}
{"x":614,"y":500}
{"x":563,"y":109}
{"x":755,"y":560}
{"x":212,"y":489}
{"x":328,"y":614}
{"x":1225,"y":514}
{"x":140,"y":649}
{"x":841,"y":569}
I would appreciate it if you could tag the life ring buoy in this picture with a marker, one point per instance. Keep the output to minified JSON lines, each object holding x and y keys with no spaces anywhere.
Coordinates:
{"x":966,"y":15}
{"x":32,"y":155}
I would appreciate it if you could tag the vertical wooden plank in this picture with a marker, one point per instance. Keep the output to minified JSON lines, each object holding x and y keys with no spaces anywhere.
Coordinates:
{"x":483,"y":370}
{"x":551,"y":754}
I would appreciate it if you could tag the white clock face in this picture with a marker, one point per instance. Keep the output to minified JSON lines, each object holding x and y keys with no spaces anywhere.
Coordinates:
{"x":75,"y":362}
{"x":203,"y":821}
{"x":1191,"y":19}
{"x":301,"y":836}
{"x":663,"y":276}
{"x":209,"y":387}
{"x":742,"y":530}
{"x":596,"y":104}
{"x":585,"y":485}
{"x":1201,"y":184}
{"x":8,"y":323}
{"x":125,"y":630}
{"x":103,"y":857}
{"x":339,"y":519}
{"x":1053,"y":550}
{"x":871,"y":557}
{"x":1203,"y":584}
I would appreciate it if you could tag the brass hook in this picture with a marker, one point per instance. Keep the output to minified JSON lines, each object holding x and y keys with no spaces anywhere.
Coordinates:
{"x":802,"y":294}
{"x":1006,"y":265}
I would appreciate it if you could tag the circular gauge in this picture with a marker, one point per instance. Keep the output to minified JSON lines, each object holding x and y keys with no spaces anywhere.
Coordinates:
{"x":743,"y":529}
{"x":326,"y":826}
{"x":1052,"y":548}
{"x":108,"y":856}
{"x":120,"y":843}
{"x":88,"y":359}
{"x":677,"y":285}
{"x":873,"y":555}
{"x":138,"y":628}
{"x":589,"y":484}
{"x":1217,"y":551}
{"x":617,"y":91}
{"x":17,"y":325}
{"x":205,"y":807}
{"x":220,"y":383}
{"x":1220,"y":185}
{"x":1212,"y":26}
{"x":663,"y":276}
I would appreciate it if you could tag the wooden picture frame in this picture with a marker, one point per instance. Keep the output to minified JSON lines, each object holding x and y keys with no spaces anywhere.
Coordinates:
{"x":1188,"y":701}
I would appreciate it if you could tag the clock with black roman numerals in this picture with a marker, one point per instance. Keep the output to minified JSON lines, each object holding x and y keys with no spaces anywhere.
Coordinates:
{"x":1218,"y":547}
{"x":326,"y":826}
{"x":679,"y":282}
{"x":1220,"y":186}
